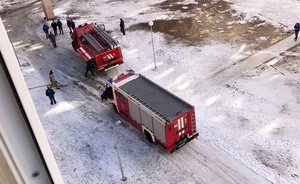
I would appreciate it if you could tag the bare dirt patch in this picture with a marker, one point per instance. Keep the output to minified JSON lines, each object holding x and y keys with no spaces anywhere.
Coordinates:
{"x":214,"y":21}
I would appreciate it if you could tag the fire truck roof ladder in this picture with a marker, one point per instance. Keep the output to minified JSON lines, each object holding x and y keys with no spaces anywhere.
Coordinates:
{"x":108,"y":39}
{"x":151,"y":108}
{"x":92,"y":41}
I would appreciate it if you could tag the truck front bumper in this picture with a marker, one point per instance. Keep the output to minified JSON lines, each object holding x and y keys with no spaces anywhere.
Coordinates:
{"x":183,"y":141}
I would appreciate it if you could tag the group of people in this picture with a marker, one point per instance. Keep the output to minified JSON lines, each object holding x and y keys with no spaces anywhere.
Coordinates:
{"x":56,"y":26}
{"x":71,"y":25}
{"x":54,"y":84}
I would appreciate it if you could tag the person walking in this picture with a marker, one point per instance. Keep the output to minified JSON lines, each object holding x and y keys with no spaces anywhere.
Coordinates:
{"x":89,"y":67}
{"x":59,"y":25}
{"x":46,"y":30}
{"x":69,"y":25}
{"x":122,"y":26}
{"x":296,"y":29}
{"x":50,"y":93}
{"x":52,"y":39}
{"x":54,"y":27}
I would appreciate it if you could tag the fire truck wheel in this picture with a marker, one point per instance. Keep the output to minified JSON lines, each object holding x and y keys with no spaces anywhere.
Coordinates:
{"x":115,"y":108}
{"x":74,"y":45}
{"x":148,"y":136}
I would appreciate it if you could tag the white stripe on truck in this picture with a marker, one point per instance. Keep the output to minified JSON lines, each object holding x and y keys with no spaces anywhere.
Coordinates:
{"x":85,"y":53}
{"x":182,"y":124}
{"x":179,"y":126}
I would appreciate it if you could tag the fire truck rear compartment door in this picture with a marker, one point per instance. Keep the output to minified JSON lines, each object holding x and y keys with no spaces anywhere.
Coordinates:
{"x":134,"y":112}
{"x":146,"y":120}
{"x":159,"y":130}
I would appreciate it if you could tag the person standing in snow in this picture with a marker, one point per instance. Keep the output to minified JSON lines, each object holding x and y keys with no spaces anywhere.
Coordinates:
{"x":52,"y":39}
{"x":59,"y":25}
{"x":53,"y":82}
{"x":54,"y":27}
{"x":122,"y":26}
{"x":296,"y":29}
{"x":89,"y":67}
{"x":46,"y":30}
{"x":50,"y":93}
{"x":69,"y":25}
{"x":72,"y":24}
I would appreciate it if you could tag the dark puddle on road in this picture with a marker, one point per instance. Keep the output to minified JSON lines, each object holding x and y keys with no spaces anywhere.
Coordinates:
{"x":214,"y":21}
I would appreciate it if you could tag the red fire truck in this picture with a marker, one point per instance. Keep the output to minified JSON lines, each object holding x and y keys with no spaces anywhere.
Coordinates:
{"x":163,"y":117}
{"x":94,"y":44}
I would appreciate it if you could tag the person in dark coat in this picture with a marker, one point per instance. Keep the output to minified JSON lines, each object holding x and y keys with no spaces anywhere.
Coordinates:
{"x":107,"y":93}
{"x":46,"y":30}
{"x":52,"y":39}
{"x":50,"y":93}
{"x":72,"y":24}
{"x":296,"y":29}
{"x":54,"y":27}
{"x":89,"y":67}
{"x":59,"y":25}
{"x":69,"y":25}
{"x":122,"y":26}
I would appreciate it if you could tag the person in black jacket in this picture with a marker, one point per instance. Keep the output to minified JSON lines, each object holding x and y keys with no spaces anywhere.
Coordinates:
{"x":59,"y":25}
{"x":72,"y":24}
{"x":296,"y":29}
{"x":69,"y":25}
{"x":89,"y":67}
{"x":107,"y":93}
{"x":54,"y":27}
{"x":50,"y":93}
{"x":46,"y":30}
{"x":52,"y":39}
{"x":122,"y":26}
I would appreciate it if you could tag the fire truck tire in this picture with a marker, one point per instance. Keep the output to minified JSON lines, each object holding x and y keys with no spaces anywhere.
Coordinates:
{"x":115,"y":108}
{"x":74,"y":45}
{"x":148,"y":136}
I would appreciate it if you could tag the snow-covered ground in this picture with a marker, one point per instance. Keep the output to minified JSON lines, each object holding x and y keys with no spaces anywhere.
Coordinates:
{"x":276,"y":11}
{"x":248,"y":125}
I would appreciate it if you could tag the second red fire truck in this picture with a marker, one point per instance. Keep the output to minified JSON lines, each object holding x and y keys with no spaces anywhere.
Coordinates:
{"x":94,"y":44}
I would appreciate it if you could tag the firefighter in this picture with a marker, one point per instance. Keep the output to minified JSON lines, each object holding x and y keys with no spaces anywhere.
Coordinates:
{"x":122,"y":26}
{"x":59,"y":25}
{"x":89,"y":67}
{"x":54,"y":27}
{"x":52,"y":39}
{"x":53,"y":82}
{"x":50,"y":93}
